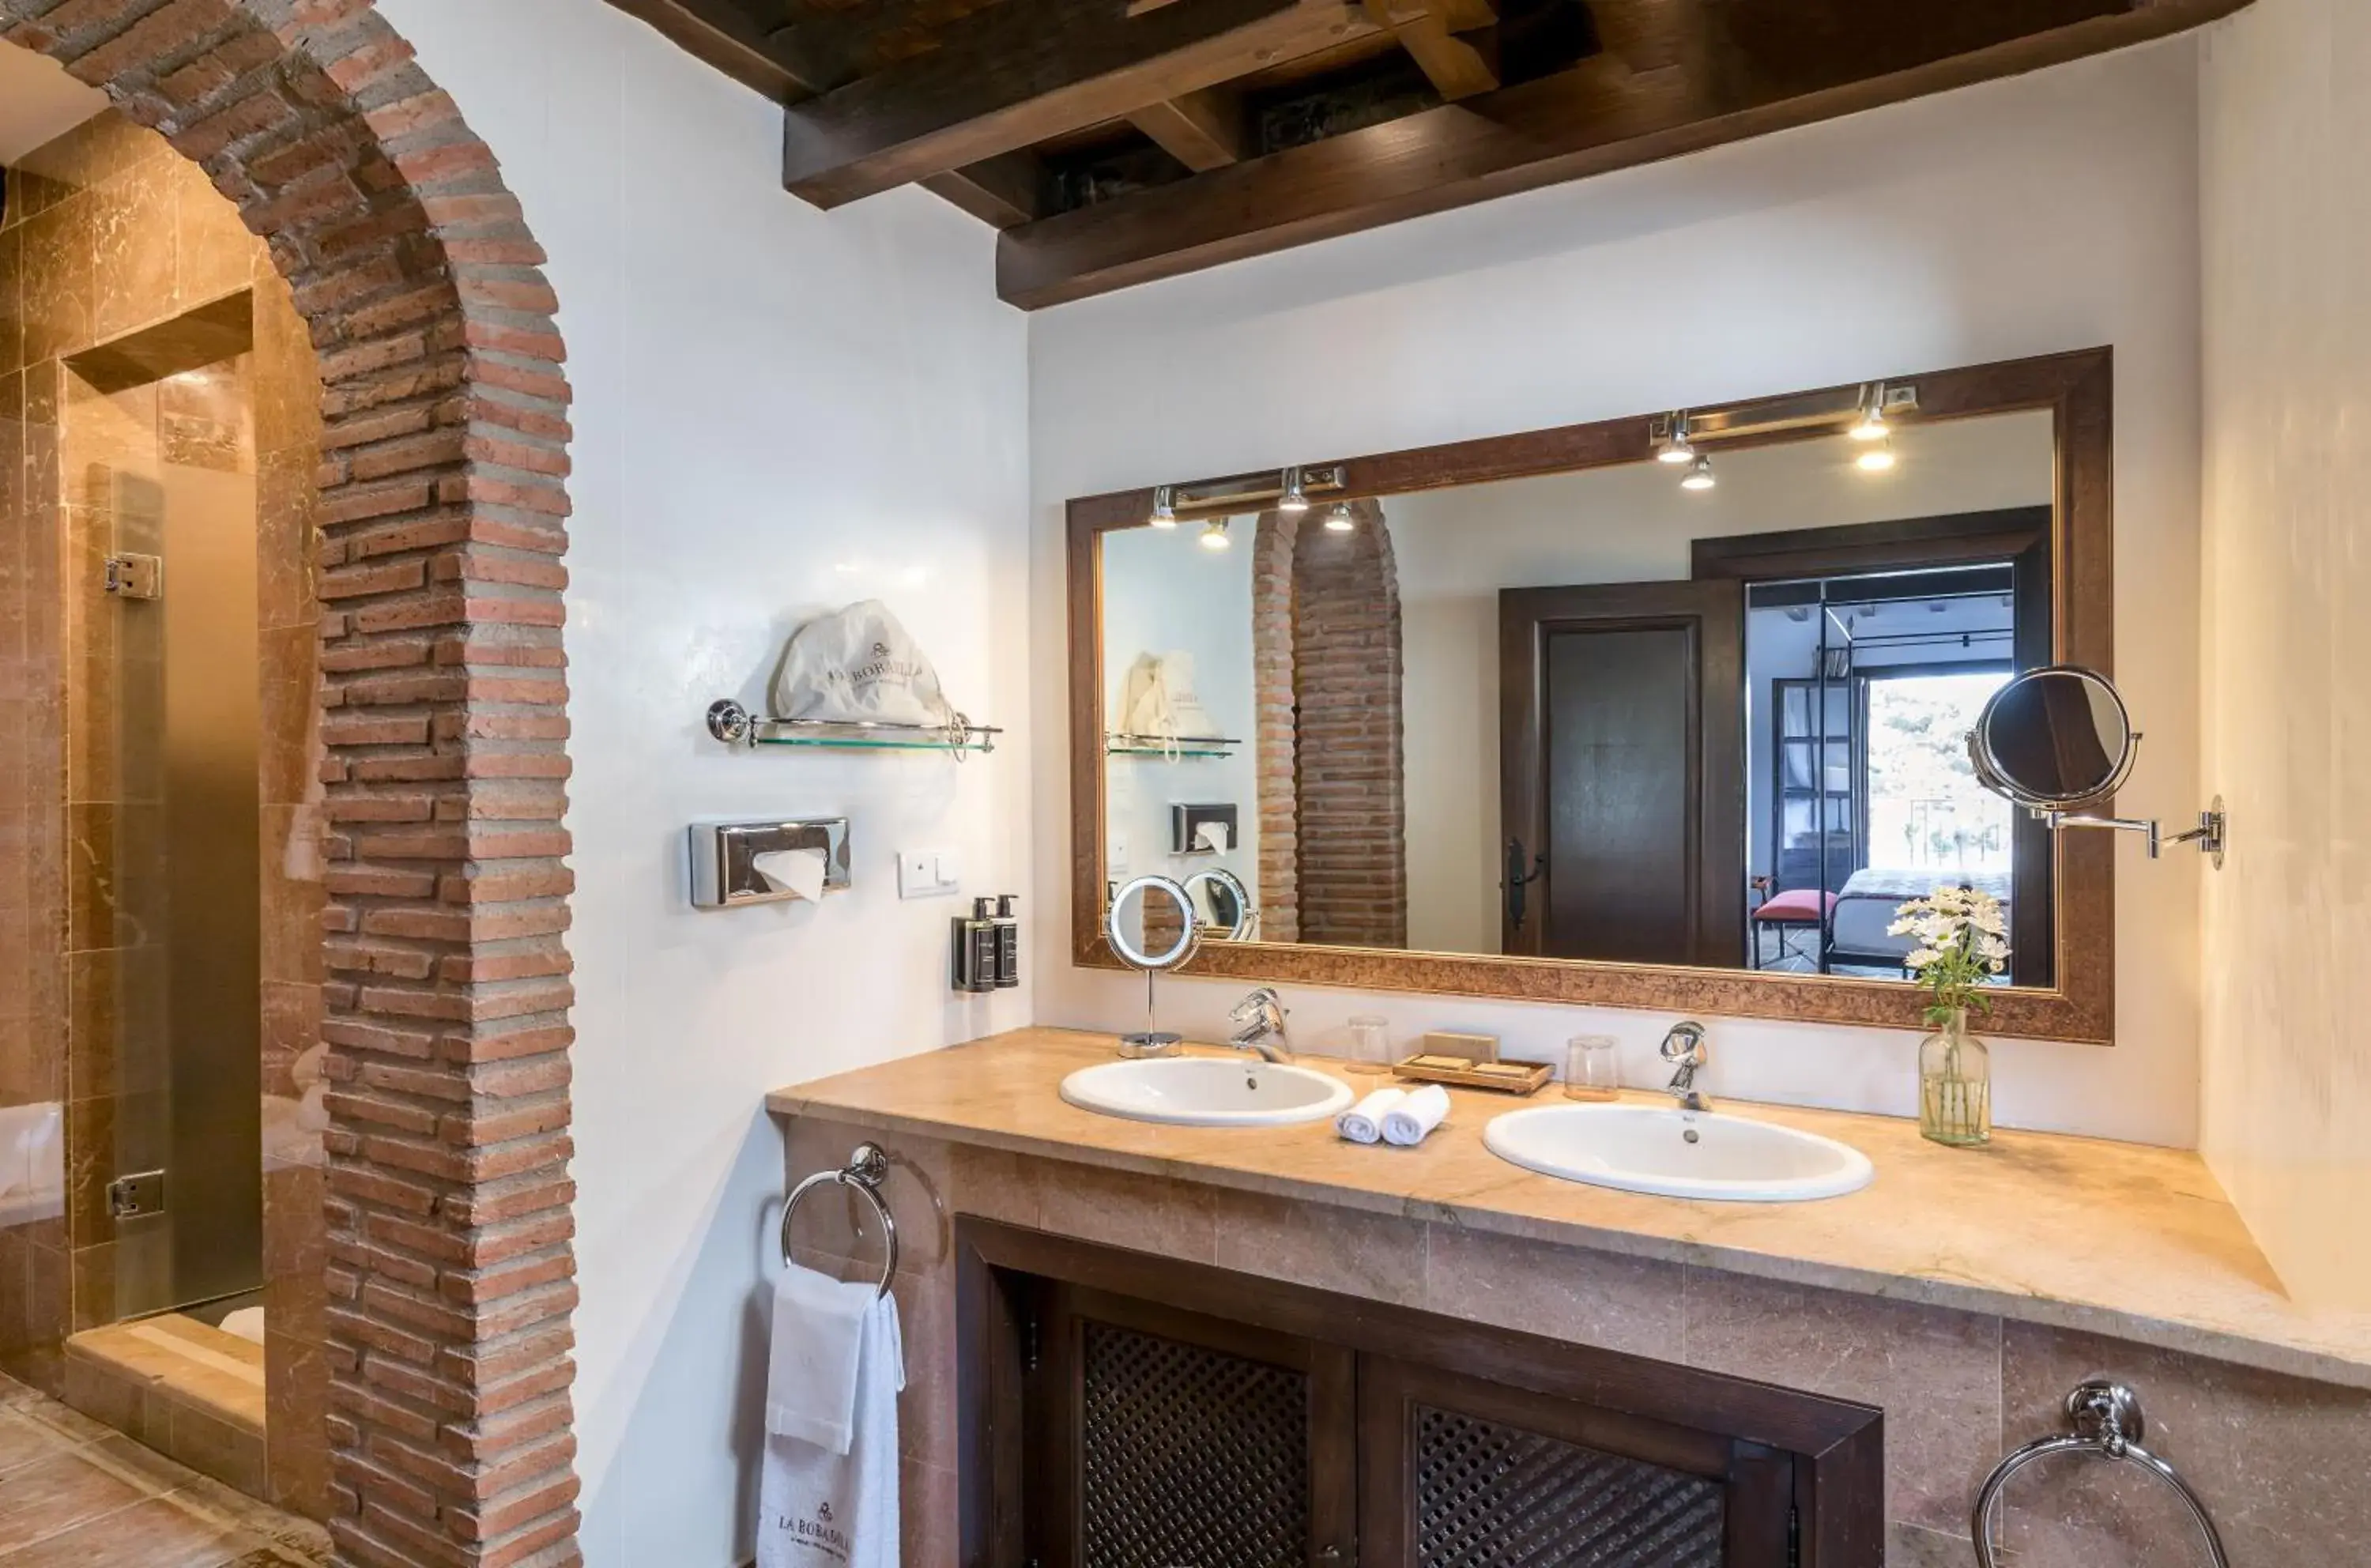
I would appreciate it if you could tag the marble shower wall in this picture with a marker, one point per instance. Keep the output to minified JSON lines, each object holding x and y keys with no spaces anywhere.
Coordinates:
{"x":2279,"y":1460}
{"x":110,"y":240}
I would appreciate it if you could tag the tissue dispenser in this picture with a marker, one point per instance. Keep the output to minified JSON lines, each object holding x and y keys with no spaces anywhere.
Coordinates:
{"x":724,"y":875}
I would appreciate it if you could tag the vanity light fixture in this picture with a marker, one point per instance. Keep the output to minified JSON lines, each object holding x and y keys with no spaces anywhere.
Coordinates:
{"x":1675,"y":447}
{"x":1877,"y":459}
{"x":1295,"y":501}
{"x":1339,"y":520}
{"x":1164,"y":507}
{"x":1872,"y":425}
{"x":1700,"y":474}
{"x":1214,"y":534}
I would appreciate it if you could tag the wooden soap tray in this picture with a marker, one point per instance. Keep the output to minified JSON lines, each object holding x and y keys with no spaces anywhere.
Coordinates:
{"x":1504,"y":1077}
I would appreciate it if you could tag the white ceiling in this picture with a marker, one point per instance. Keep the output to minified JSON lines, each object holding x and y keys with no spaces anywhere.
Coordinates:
{"x":39,"y":101}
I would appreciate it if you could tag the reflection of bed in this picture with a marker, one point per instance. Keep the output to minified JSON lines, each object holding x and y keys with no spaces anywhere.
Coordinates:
{"x":1865,"y":905}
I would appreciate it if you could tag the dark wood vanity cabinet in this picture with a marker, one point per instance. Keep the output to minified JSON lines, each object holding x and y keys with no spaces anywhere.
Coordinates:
{"x":1126,"y":1410}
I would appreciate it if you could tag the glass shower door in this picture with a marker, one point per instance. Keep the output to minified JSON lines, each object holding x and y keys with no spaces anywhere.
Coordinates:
{"x":165,"y":818}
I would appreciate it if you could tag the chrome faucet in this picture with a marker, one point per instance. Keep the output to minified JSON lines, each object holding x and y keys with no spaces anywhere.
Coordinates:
{"x":1262,"y":1015}
{"x":1684,"y":1048}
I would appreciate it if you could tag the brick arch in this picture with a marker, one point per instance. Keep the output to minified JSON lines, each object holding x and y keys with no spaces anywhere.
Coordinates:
{"x":1332,"y":787}
{"x":443,"y":495}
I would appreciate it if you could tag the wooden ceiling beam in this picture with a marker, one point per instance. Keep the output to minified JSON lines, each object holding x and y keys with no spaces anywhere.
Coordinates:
{"x":1768,"y":69}
{"x":1454,"y":42}
{"x":1015,"y":75}
{"x":1002,"y":191}
{"x":1204,"y":130}
{"x":719,"y":34}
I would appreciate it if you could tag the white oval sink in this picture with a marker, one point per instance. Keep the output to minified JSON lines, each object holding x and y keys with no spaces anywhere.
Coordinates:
{"x":1677,"y":1153}
{"x":1207,"y":1091}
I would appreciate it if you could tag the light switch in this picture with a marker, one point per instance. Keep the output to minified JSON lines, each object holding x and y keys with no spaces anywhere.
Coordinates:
{"x":928,"y":873}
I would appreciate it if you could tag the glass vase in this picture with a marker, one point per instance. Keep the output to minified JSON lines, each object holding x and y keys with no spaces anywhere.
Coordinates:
{"x":1955,"y":1086}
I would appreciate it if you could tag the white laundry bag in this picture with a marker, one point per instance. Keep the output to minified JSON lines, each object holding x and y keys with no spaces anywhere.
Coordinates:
{"x":1159,"y":704}
{"x":858,"y":665}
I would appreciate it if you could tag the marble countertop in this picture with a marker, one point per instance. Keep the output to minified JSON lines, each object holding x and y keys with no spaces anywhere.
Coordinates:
{"x":2124,"y":1240}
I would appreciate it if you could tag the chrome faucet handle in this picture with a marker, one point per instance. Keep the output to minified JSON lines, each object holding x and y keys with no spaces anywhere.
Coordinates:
{"x":1262,"y":1015}
{"x":1262,"y":1004}
{"x":1684,"y":1048}
{"x":1685,"y":1044}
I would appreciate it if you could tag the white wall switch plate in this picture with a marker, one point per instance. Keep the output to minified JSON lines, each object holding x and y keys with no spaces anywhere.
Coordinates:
{"x":928,"y":873}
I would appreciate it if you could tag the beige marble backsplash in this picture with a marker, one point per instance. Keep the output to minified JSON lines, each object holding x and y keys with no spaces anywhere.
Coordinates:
{"x":2279,"y":1459}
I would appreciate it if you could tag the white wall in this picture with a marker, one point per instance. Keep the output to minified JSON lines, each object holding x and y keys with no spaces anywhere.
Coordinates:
{"x":2052,"y":212}
{"x":778,"y":411}
{"x":2288,"y":645}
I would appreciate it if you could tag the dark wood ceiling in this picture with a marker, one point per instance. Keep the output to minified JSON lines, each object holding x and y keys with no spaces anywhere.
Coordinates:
{"x":1115,"y":142}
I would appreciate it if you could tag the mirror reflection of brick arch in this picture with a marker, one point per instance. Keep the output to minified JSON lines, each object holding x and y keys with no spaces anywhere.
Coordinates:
{"x":1332,"y":799}
{"x":448,"y":1271}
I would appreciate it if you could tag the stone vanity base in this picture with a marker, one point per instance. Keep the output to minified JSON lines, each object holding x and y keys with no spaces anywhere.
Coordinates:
{"x":2279,"y":1460}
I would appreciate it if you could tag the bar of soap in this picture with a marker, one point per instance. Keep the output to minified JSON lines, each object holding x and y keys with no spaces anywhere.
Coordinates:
{"x":1472,"y":1048}
{"x":1443,"y":1064}
{"x":1503,"y":1069}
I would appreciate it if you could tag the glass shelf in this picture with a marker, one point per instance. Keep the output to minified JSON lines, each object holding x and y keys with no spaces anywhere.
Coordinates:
{"x":1174,"y":748}
{"x":735,"y":725}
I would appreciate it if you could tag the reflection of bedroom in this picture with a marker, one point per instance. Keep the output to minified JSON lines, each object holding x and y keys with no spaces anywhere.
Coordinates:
{"x":1900,"y":666}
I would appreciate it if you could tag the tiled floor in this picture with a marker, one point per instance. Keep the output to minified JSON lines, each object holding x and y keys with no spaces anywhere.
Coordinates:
{"x":75,"y":1494}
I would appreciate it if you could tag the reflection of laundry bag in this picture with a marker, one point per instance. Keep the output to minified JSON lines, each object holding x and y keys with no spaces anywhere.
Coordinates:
{"x":858,"y":665}
{"x":1158,"y":701}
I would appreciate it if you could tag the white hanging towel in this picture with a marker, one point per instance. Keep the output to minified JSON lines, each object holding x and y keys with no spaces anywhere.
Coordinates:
{"x":827,"y":1494}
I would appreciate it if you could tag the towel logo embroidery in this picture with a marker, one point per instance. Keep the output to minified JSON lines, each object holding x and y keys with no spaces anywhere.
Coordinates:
{"x":818,"y":1534}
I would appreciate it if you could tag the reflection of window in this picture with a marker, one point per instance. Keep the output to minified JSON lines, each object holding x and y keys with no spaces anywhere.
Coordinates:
{"x":1926,"y":809}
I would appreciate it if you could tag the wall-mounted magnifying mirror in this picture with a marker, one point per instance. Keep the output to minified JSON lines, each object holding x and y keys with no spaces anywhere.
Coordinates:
{"x":2054,"y":738}
{"x":1151,"y":926}
{"x":2060,"y":737}
{"x":1222,"y":905}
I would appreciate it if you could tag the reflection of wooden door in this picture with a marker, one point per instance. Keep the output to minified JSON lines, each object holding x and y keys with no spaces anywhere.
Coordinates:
{"x":1622,"y":770}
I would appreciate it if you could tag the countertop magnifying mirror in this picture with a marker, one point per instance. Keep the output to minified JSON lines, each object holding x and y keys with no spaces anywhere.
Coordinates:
{"x":1666,"y":710}
{"x":1150,"y":926}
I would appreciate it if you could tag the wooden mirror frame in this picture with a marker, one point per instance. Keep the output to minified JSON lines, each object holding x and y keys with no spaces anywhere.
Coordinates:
{"x":2078,"y":389}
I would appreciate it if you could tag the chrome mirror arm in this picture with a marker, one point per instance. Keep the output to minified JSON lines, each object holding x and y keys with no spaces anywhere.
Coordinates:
{"x":2208,"y":834}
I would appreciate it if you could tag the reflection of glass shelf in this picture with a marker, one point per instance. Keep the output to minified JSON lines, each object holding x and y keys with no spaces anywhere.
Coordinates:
{"x":1172,"y":747}
{"x":735,"y":725}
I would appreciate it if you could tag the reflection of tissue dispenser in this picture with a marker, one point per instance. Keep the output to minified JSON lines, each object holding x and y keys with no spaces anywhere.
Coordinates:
{"x":987,"y":946}
{"x":1201,"y":829}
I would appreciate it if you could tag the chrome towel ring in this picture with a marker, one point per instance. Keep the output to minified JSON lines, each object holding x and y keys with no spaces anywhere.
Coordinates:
{"x":2107,"y":1422}
{"x":865,"y":1170}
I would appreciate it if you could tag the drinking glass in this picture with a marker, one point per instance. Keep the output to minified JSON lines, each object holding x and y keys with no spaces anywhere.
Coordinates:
{"x":1370,"y":1045}
{"x":1592,"y":1067}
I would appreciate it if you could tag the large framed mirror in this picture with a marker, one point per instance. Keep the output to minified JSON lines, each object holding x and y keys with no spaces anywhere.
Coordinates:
{"x":1665,"y":711}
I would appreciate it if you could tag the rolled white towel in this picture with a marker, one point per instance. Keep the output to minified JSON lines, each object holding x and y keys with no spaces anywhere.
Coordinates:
{"x":1363,"y":1122}
{"x":1407,"y":1124}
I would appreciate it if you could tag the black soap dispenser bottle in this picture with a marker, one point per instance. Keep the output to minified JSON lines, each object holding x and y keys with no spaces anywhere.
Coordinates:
{"x":975,"y":948}
{"x":1008,"y":943}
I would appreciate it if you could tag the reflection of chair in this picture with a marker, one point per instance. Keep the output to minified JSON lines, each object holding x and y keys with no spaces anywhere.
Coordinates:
{"x":1789,"y":914}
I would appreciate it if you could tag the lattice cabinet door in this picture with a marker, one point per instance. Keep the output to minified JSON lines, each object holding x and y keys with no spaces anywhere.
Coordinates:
{"x":1164,"y":1439}
{"x":1461,"y":1473}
